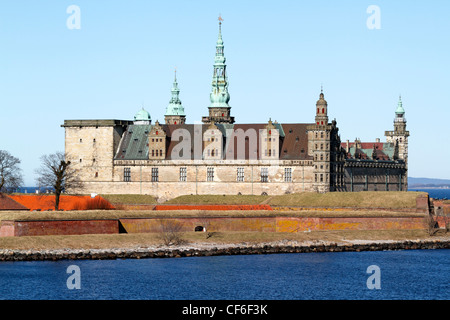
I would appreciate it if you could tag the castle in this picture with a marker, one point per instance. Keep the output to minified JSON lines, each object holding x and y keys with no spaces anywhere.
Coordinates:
{"x":219,"y":156}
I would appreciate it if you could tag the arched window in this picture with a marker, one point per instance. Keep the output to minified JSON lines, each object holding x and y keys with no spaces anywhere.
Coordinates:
{"x":323,"y":110}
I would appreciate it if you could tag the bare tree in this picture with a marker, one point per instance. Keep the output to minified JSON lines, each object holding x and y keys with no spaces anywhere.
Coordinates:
{"x":430,"y":224}
{"x":10,"y":172}
{"x":57,"y":171}
{"x":171,"y":232}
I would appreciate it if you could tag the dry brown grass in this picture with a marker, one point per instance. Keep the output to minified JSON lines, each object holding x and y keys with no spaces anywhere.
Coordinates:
{"x":117,"y":214}
{"x":152,"y":239}
{"x":367,"y":199}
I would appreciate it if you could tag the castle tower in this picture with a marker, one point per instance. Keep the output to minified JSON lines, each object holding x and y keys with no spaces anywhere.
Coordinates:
{"x":399,"y":136}
{"x":319,"y":139}
{"x":175,"y":111}
{"x":321,"y":110}
{"x":219,"y":110}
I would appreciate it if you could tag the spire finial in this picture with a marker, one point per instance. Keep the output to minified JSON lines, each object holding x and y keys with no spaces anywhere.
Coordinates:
{"x":175,"y":74}
{"x":220,"y":27}
{"x":321,"y":88}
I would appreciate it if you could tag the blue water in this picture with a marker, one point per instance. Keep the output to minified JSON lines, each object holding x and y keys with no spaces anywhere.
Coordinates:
{"x":408,"y":274}
{"x":434,"y":193}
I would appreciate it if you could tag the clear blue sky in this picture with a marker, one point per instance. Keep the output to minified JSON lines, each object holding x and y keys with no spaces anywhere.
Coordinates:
{"x":278,"y":54}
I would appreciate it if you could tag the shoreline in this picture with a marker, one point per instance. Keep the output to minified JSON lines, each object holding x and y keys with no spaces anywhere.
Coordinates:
{"x":216,"y":249}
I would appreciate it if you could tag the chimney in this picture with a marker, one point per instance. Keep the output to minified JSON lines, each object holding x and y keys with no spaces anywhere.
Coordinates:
{"x":377,"y":140}
{"x":347,"y":148}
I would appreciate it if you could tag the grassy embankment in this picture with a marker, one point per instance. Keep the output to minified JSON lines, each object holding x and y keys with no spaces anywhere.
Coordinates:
{"x":349,"y":204}
{"x":394,"y":200}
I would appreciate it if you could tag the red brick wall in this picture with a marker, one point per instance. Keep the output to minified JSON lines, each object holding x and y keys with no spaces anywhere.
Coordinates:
{"x":262,"y":224}
{"x":278,"y":224}
{"x":65,"y":227}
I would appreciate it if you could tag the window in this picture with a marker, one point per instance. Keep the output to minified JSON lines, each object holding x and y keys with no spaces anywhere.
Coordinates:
{"x":127,"y":174}
{"x":264,"y":175}
{"x":155,"y":175}
{"x":210,"y":174}
{"x":288,"y":174}
{"x":240,"y":174}
{"x":183,"y":174}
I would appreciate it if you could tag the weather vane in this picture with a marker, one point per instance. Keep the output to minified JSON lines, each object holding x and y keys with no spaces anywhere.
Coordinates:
{"x":220,"y":18}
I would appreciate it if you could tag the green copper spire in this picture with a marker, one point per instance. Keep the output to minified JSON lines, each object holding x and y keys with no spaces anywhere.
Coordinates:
{"x":175,"y":107}
{"x":400,"y":110}
{"x":219,"y":94}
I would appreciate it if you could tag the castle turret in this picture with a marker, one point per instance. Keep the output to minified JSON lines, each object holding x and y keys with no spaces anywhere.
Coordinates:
{"x":175,"y":112}
{"x":400,"y":134}
{"x":399,"y":137}
{"x":142,"y":117}
{"x":319,"y":137}
{"x":321,"y":110}
{"x":219,"y":110}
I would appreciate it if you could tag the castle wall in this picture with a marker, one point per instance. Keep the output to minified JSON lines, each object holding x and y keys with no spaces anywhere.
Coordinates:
{"x":91,"y":145}
{"x":374,"y":177}
{"x":224,"y":180}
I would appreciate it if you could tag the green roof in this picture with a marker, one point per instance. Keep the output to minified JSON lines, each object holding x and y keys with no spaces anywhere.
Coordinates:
{"x":134,"y":144}
{"x":142,"y":115}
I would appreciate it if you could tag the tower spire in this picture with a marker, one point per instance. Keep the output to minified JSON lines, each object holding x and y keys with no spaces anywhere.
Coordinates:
{"x":219,"y":110}
{"x":175,"y":112}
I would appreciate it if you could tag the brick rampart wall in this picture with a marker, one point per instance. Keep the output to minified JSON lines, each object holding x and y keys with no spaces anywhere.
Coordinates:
{"x":277,"y":224}
{"x":63,"y":227}
{"x":259,"y":224}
